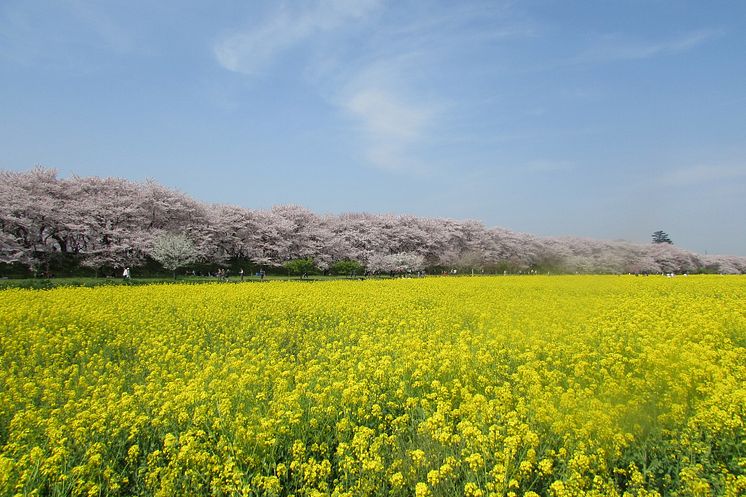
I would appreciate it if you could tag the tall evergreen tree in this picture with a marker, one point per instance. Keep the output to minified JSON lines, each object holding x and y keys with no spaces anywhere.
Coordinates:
{"x":661,"y":237}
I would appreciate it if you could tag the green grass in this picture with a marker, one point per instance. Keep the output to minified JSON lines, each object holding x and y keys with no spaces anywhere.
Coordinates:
{"x":45,"y":283}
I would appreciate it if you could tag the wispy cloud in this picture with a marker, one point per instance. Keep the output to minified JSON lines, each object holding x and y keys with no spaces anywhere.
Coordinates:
{"x":614,"y":47}
{"x":392,"y":111}
{"x":386,"y":82}
{"x":701,"y":174}
{"x":369,"y":88}
{"x":103,"y":25}
{"x":462,"y":24}
{"x":249,"y":51}
{"x":548,"y":166}
{"x":391,"y":126}
{"x":55,"y":35}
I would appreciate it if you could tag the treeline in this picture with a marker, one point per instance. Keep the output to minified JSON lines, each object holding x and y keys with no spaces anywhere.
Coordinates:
{"x":102,"y":224}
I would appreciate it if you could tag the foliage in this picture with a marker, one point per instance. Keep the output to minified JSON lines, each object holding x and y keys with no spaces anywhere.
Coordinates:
{"x":173,"y":251}
{"x":47,"y":283}
{"x":300,"y":266}
{"x":570,"y":386}
{"x":402,"y":262}
{"x":106,"y":223}
{"x":347,"y":267}
{"x":661,"y":237}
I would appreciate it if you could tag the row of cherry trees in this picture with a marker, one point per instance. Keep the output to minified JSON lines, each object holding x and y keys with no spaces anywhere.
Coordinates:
{"x":112,"y":222}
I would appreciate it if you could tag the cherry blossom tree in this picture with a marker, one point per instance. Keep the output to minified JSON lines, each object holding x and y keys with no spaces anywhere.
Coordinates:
{"x":33,"y":206}
{"x":402,"y":262}
{"x":112,"y":222}
{"x":301,"y":231}
{"x":724,"y":264}
{"x":173,"y":251}
{"x":107,"y":222}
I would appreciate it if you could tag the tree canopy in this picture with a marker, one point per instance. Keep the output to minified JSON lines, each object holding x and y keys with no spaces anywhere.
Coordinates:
{"x":661,"y":237}
{"x":300,"y":266}
{"x":114,"y":223}
{"x":173,"y":251}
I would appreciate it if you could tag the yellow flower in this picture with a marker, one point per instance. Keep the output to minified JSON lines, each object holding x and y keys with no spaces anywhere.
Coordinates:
{"x":397,"y":480}
{"x":418,"y":456}
{"x":421,"y":490}
{"x":339,"y":387}
{"x":472,"y":490}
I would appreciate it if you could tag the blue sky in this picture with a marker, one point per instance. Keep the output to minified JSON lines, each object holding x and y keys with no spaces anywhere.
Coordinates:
{"x":605,"y":119}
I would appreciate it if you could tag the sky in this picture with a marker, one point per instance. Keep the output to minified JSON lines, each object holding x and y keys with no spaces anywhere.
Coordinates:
{"x":601,"y":119}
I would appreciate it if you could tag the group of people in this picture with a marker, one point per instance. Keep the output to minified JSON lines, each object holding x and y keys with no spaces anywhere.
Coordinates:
{"x":221,"y":274}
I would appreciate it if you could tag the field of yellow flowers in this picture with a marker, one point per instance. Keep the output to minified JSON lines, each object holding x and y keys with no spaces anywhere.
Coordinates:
{"x":485,"y":386}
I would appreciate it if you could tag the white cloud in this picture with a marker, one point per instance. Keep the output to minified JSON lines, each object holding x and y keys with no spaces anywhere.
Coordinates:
{"x":369,"y":88}
{"x":386,"y":116}
{"x":611,"y":48}
{"x":248,"y":51}
{"x":391,"y":125}
{"x":703,"y":174}
{"x":385,"y":80}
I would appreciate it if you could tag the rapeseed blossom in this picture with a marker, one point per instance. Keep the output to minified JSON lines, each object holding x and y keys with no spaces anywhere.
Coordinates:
{"x":525,"y":386}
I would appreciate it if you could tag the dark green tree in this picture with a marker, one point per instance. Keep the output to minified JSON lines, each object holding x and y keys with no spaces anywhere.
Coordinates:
{"x":347,"y":267}
{"x":661,"y":237}
{"x":300,"y":266}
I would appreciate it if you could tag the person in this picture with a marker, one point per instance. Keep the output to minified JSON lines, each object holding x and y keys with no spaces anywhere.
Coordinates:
{"x":241,"y":273}
{"x":126,"y":273}
{"x":261,"y":274}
